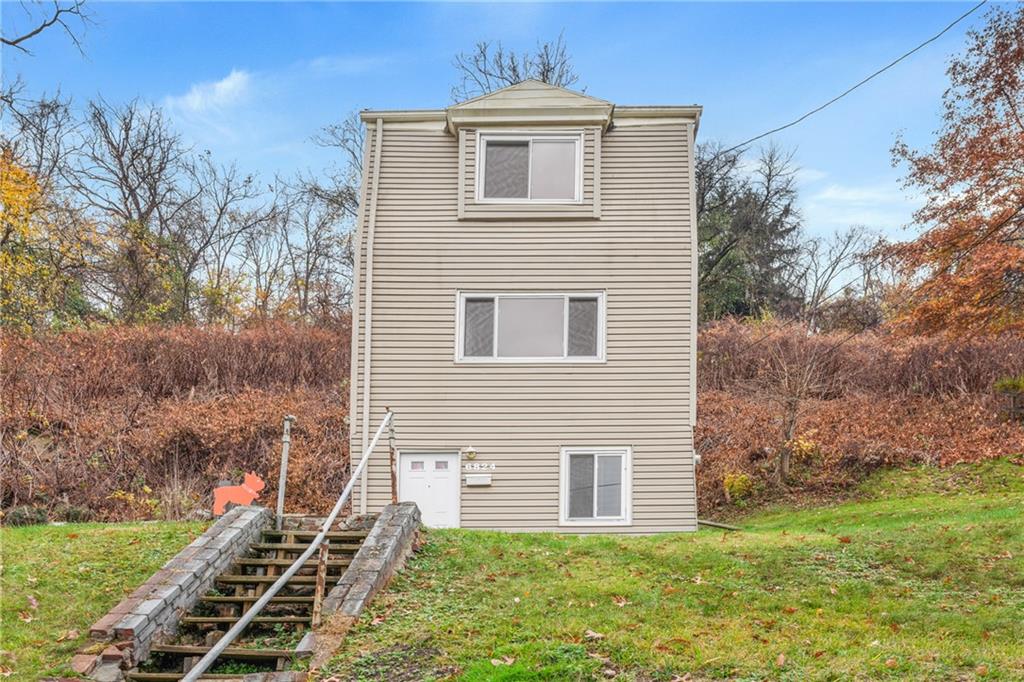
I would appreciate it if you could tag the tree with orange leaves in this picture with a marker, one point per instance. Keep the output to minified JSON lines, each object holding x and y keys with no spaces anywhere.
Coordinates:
{"x":966,"y":269}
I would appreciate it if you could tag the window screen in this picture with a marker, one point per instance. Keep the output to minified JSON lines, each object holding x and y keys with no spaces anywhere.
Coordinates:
{"x":582,"y":327}
{"x":595,"y":486}
{"x":530,"y":326}
{"x":479,"y":328}
{"x":507,"y":169}
{"x":553,"y":170}
{"x":581,"y":486}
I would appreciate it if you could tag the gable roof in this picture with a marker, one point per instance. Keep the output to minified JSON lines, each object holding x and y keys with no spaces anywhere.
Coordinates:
{"x":531,"y":90}
{"x":530,"y":102}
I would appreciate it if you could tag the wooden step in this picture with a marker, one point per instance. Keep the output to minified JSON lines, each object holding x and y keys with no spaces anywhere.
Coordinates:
{"x":296,"y":547}
{"x":240,"y":653}
{"x":200,"y":620}
{"x":160,"y":677}
{"x":266,"y":561}
{"x":235,"y":578}
{"x":310,"y":534}
{"x":246,"y":598}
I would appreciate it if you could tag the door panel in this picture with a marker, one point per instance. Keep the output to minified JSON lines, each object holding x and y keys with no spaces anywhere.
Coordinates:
{"x":432,"y":481}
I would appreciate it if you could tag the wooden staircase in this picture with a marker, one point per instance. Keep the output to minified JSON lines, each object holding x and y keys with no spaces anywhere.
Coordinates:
{"x":270,"y":643}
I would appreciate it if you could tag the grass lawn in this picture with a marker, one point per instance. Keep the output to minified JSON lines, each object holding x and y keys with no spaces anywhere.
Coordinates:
{"x":56,"y":581}
{"x":922,"y":577}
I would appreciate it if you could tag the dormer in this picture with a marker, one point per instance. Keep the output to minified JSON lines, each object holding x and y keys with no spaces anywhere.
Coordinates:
{"x":531,"y":150}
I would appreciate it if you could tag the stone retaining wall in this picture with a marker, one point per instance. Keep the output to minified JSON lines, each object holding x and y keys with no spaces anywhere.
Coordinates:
{"x":154,"y":608}
{"x":384,"y":551}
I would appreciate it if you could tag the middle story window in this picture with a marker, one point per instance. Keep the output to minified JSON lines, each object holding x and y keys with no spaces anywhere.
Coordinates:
{"x":523,"y":327}
{"x":533,"y":168}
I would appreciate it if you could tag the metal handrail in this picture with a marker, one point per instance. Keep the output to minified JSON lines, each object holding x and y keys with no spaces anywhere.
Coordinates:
{"x":224,"y":642}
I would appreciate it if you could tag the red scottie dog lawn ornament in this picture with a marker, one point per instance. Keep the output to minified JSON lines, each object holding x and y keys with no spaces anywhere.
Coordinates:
{"x":237,"y":494}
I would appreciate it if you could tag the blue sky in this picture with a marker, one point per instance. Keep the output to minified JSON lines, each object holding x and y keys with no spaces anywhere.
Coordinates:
{"x":253,"y":82}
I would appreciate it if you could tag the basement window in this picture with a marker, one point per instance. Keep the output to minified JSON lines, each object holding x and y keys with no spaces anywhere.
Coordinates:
{"x":595,"y":486}
{"x":529,"y":168}
{"x":515,"y":327}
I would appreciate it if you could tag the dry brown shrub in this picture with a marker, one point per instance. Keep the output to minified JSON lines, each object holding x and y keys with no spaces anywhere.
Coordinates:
{"x":888,"y":401}
{"x":144,"y":421}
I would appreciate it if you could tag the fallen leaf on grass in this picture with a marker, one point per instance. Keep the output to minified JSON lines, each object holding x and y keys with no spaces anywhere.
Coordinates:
{"x":621,"y":601}
{"x":789,"y":609}
{"x":25,"y":617}
{"x":891,"y":663}
{"x":591,"y":635}
{"x":68,"y":636}
{"x":844,"y":539}
{"x":33,"y":603}
{"x":981,"y":670}
{"x":504,"y":660}
{"x":781,"y":660}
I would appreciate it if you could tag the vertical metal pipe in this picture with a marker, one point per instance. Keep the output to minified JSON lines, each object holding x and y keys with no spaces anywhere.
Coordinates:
{"x":282,"y":479}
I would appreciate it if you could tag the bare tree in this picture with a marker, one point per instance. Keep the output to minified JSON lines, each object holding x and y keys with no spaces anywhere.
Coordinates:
{"x":798,"y":368}
{"x":208,"y":229}
{"x":131,"y":175}
{"x":263,"y":260}
{"x":39,"y":134}
{"x":316,"y":254}
{"x":340,"y":185}
{"x":491,"y":66}
{"x":59,"y":14}
{"x":832,"y":268}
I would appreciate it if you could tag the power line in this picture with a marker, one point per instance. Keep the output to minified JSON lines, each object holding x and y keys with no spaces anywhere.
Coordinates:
{"x":854,"y":87}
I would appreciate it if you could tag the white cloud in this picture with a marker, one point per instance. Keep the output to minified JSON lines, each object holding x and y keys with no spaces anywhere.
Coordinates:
{"x":882,"y":206}
{"x":213,"y":95}
{"x":810,"y":175}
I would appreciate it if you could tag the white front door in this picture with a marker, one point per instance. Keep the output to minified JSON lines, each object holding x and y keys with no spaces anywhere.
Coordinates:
{"x":431,"y":480}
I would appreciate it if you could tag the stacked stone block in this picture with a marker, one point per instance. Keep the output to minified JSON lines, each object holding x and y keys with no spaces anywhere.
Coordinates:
{"x":154,"y":608}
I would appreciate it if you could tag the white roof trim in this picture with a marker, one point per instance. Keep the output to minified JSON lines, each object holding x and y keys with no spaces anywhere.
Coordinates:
{"x":596,"y":114}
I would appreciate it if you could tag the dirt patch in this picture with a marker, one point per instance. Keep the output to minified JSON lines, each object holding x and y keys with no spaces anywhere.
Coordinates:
{"x":403,"y":663}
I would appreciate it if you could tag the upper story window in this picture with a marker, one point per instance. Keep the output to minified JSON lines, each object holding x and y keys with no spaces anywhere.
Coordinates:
{"x":521,"y":327}
{"x":541,"y":168}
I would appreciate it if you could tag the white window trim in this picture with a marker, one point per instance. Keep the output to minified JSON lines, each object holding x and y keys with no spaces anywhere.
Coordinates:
{"x":460,"y":309}
{"x":627,"y":486}
{"x":575,"y":136}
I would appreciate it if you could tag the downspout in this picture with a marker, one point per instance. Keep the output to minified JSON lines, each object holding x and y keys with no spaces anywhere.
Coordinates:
{"x":368,"y":323}
{"x":357,"y":289}
{"x":691,"y":134}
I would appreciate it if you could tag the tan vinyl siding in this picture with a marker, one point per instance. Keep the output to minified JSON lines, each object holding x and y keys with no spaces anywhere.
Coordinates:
{"x":520,"y":415}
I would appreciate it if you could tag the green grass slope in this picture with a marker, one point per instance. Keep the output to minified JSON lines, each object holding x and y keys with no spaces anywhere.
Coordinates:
{"x":56,"y":581}
{"x":922,"y":577}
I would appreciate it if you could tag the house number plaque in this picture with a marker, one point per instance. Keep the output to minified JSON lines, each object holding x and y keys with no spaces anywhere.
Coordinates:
{"x":479,"y":466}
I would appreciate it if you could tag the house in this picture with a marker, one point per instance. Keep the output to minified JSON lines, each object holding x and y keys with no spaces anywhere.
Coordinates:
{"x":525,"y":302}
